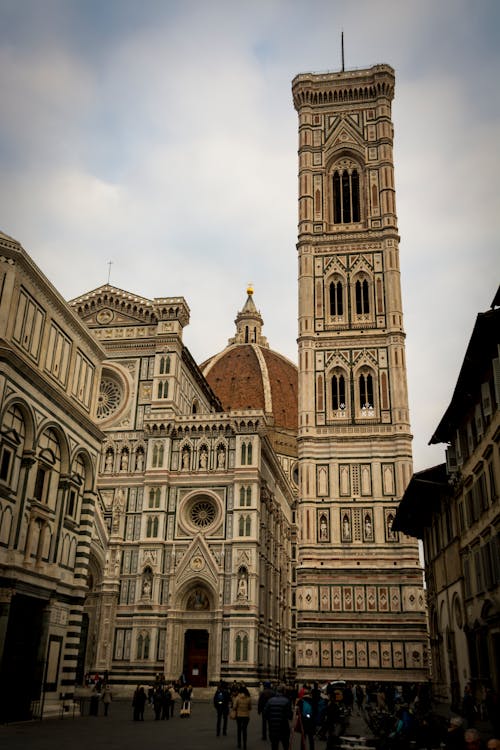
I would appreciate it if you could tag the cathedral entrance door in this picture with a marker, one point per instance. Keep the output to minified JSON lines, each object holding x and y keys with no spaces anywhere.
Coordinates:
{"x":196,"y":657}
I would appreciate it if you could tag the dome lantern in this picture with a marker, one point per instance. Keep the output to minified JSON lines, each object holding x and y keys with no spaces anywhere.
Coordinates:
{"x":249,"y":323}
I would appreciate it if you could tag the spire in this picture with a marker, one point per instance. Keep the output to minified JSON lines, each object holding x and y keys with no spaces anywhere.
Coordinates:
{"x":249,"y":323}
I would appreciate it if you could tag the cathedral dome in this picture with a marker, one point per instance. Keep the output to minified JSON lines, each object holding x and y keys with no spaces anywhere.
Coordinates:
{"x":247,"y":374}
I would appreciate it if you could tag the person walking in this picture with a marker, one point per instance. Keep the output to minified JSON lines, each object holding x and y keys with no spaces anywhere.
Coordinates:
{"x":454,"y":739}
{"x":469,"y":706}
{"x":222,"y":699}
{"x":242,"y":705}
{"x":306,"y":718}
{"x":157,"y":700}
{"x":106,"y":699}
{"x":360,"y":697}
{"x":186,"y":695}
{"x":165,"y":703}
{"x":277,"y":713}
{"x":265,"y":695}
{"x":172,"y":690}
{"x":138,"y":703}
{"x":94,"y":700}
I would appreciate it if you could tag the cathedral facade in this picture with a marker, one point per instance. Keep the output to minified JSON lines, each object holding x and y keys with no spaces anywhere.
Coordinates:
{"x":361,"y":611}
{"x":198,"y":497}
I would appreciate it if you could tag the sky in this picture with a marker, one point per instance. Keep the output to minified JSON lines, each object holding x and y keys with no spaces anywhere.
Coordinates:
{"x":161,"y":137}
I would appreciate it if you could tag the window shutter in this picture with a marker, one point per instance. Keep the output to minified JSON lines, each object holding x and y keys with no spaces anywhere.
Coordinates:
{"x":479,"y":422}
{"x":459,"y":454}
{"x":479,"y":571}
{"x":467,"y":581}
{"x":486,"y":399}
{"x":470,"y":437}
{"x":451,"y":460}
{"x":496,"y":378}
{"x":495,"y":557}
{"x":487,"y":567}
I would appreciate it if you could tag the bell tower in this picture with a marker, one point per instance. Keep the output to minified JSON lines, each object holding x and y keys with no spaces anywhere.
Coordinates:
{"x":360,"y":600}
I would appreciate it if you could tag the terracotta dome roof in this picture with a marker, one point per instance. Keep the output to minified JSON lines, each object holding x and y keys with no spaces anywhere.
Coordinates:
{"x":249,"y":376}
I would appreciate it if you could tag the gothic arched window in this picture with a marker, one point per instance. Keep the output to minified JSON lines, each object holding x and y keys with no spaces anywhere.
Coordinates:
{"x":362,"y":297}
{"x":164,"y":365}
{"x":336,"y":299}
{"x":246,"y":454}
{"x":154,"y":497}
{"x":163,"y":389}
{"x":140,"y":644}
{"x":158,"y":452}
{"x":338,"y":392}
{"x":241,"y":647}
{"x":346,"y":208}
{"x":366,"y":391}
{"x":152,"y":527}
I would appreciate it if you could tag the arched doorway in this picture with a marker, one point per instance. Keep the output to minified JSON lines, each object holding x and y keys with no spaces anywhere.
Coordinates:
{"x":196,"y":637}
{"x":196,"y":657}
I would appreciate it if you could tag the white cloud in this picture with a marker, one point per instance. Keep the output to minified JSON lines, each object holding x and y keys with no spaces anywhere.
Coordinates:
{"x":164,"y":139}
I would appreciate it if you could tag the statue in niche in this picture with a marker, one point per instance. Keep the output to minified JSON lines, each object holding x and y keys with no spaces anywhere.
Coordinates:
{"x":221,"y":457}
{"x":116,"y":562}
{"x":203,"y":458}
{"x":118,"y":508}
{"x":139,"y":460}
{"x":124,"y":461}
{"x":108,"y":464}
{"x":390,"y":533}
{"x":346,"y":527}
{"x":185,"y":458}
{"x":242,"y":592}
{"x":368,"y":527}
{"x":323,"y":528}
{"x":147,"y":584}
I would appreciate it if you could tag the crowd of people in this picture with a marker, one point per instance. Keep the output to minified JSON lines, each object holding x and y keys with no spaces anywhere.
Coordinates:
{"x":162,"y":698}
{"x":282,"y":709}
{"x":403,"y":718}
{"x":400,"y":718}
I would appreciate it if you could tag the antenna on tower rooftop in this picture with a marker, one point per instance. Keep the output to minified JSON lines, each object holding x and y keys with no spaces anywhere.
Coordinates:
{"x":342,"y":47}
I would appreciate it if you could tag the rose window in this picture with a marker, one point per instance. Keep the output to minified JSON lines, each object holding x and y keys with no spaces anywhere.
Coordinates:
{"x":109,"y":399}
{"x":203,"y":513}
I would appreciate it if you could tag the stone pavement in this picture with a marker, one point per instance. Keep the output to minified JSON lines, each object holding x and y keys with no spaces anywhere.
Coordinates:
{"x":119,"y":732}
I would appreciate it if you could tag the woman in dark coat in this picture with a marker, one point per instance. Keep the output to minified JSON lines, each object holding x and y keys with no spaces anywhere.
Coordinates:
{"x":138,"y":703}
{"x":278,"y":712}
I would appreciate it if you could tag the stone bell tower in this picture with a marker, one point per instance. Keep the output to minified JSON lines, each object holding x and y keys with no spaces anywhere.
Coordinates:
{"x":360,"y":599}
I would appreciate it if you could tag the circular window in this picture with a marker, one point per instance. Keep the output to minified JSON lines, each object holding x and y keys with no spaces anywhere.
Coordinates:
{"x":109,"y":399}
{"x":203,"y":513}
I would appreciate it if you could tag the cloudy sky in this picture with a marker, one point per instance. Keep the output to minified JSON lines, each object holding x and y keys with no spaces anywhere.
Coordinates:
{"x":161,"y":136}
